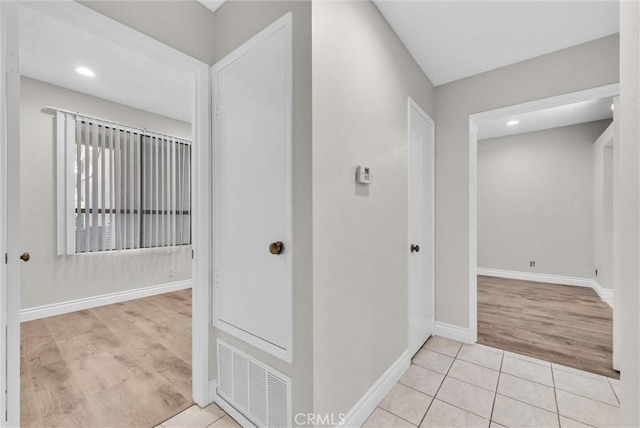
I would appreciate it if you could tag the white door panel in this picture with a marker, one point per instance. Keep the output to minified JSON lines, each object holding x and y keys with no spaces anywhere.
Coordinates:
{"x":421,"y":227}
{"x":253,"y":189}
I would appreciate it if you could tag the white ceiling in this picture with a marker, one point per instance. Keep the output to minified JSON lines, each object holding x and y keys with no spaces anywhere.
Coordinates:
{"x":452,"y":40}
{"x":50,"y":51}
{"x":555,"y":117}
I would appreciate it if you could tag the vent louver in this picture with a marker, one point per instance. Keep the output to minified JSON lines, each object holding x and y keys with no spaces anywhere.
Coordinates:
{"x":256,"y":390}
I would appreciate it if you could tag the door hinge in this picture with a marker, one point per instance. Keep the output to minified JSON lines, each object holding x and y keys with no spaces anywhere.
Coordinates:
{"x":215,"y":114}
{"x":217,"y":278}
{"x":6,"y":258}
{"x":193,"y":254}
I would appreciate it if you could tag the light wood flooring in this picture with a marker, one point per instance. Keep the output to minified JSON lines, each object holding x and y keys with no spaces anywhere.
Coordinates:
{"x":121,"y":365}
{"x":567,"y":325}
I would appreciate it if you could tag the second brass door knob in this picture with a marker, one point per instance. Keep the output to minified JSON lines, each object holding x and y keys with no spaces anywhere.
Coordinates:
{"x":276,"y":248}
{"x":415,"y":248}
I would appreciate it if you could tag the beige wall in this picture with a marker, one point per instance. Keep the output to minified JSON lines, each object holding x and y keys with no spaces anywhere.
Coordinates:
{"x":629,"y":185}
{"x":603,"y":172}
{"x":580,"y":67}
{"x":535,"y":201}
{"x":49,"y":278}
{"x":362,"y":76}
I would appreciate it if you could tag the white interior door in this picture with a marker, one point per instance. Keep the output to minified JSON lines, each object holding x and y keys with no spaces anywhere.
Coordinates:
{"x":253,"y":202}
{"x":10,"y":215}
{"x":421,"y":227}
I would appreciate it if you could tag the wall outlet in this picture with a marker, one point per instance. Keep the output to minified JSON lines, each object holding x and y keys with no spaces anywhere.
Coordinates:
{"x":532,"y":264}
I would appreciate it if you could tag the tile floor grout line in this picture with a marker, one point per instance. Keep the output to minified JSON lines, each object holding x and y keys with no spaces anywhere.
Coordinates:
{"x":589,"y":398}
{"x":493,"y":406}
{"x":528,"y":404}
{"x":412,"y":388}
{"x":441,"y":383}
{"x":397,"y":416}
{"x":524,"y":378}
{"x":555,"y":395}
{"x":614,"y":391}
{"x":472,"y":384}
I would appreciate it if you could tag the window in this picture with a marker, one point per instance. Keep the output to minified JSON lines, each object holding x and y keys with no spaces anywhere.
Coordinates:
{"x":120,"y":187}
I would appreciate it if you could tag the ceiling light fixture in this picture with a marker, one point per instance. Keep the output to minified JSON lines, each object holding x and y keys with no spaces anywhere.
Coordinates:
{"x":513,"y":122}
{"x":85,"y":71}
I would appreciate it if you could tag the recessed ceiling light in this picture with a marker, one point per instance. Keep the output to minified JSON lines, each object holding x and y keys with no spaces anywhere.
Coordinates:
{"x":513,"y":122}
{"x":85,"y":71}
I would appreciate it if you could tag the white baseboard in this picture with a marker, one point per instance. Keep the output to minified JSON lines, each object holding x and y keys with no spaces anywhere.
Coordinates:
{"x":453,"y":332}
{"x":537,"y":277}
{"x":604,"y":293}
{"x":231,"y":411}
{"x":95,"y":301}
{"x":359,"y":413}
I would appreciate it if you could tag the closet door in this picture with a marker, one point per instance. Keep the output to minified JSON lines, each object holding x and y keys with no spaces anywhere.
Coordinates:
{"x":252,"y":181}
{"x":421,"y":227}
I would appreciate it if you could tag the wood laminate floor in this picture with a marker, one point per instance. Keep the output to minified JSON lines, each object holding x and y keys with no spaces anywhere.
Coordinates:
{"x":567,"y":325}
{"x":121,"y":365}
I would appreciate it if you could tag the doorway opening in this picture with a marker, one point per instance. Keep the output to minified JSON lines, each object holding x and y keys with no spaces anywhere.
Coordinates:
{"x":113,"y":137}
{"x":542,"y":202}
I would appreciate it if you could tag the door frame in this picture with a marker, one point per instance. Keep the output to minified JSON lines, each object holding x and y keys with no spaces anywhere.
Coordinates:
{"x":89,"y":20}
{"x":555,"y":101}
{"x":411,"y":104}
{"x":286,"y":22}
{"x":9,"y":213}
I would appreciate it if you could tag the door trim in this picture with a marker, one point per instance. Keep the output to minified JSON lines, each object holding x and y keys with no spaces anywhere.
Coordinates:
{"x":89,"y":20}
{"x":285,"y":22}
{"x":10,"y":169}
{"x":411,"y":104}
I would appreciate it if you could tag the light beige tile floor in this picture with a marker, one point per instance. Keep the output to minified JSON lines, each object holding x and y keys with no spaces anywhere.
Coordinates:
{"x":455,"y":385}
{"x":211,"y":416}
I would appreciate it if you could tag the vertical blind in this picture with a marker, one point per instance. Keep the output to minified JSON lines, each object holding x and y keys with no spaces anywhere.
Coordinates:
{"x":120,"y":187}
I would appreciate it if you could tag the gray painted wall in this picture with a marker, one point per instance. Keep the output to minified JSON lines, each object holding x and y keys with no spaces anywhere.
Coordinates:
{"x":535,"y":201}
{"x":185,"y":25}
{"x":362,"y":76}
{"x":49,"y":278}
{"x":629,"y":185}
{"x":580,"y":67}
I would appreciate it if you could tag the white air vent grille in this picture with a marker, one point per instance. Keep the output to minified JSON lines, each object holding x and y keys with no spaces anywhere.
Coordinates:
{"x":259,"y":392}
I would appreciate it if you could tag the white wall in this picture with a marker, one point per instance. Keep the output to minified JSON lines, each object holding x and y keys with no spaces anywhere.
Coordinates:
{"x":580,"y":67}
{"x":603,"y":172}
{"x":362,"y":76}
{"x":48,"y":278}
{"x":535,"y":201}
{"x":629,"y":185}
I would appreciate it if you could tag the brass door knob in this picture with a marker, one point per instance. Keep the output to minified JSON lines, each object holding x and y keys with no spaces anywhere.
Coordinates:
{"x":276,"y":248}
{"x":415,"y":248}
{"x":25,"y":257}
